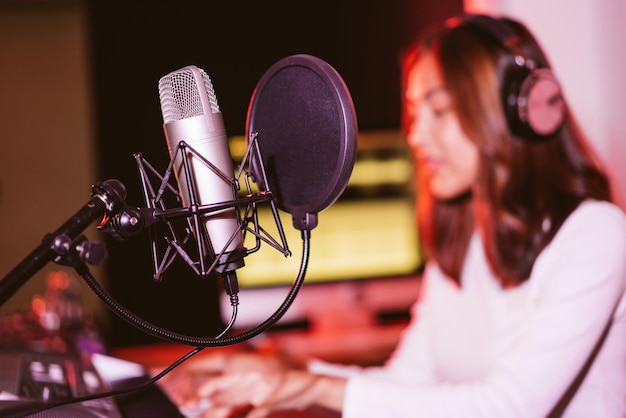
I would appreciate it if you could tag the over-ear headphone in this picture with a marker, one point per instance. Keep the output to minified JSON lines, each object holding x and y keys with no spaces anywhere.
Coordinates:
{"x":532,"y":98}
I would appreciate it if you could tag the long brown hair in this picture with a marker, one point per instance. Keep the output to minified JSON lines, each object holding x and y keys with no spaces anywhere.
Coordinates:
{"x":525,"y":189}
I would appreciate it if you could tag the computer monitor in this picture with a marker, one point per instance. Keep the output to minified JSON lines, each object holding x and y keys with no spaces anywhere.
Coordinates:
{"x":365,"y":256}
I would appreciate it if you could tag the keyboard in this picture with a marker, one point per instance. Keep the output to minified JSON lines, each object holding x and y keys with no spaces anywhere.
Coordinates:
{"x":51,"y":352}
{"x":31,"y":378}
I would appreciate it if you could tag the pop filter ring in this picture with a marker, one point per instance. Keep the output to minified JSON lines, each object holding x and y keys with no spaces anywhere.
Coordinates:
{"x":306,"y":124}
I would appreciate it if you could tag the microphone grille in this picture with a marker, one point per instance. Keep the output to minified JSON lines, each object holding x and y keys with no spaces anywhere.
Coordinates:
{"x":186,"y":93}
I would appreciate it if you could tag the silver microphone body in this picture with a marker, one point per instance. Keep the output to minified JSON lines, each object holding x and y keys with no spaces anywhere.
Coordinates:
{"x":191,"y":114}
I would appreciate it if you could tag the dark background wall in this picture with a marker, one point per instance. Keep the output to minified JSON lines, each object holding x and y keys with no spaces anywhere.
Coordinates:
{"x":135,"y":43}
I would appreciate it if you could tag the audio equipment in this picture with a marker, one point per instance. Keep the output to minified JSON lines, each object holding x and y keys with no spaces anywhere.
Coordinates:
{"x":307,"y":134}
{"x":532,"y":98}
{"x":302,"y":117}
{"x":300,"y":154}
{"x":191,"y":115}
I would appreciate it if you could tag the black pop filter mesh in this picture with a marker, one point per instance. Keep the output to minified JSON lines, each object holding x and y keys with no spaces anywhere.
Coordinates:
{"x":307,"y":134}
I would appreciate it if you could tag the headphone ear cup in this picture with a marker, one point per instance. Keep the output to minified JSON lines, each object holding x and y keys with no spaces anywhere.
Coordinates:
{"x":532,"y":99}
{"x":534,"y":105}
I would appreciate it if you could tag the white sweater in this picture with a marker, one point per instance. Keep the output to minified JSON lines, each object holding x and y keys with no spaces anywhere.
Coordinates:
{"x":481,"y":351}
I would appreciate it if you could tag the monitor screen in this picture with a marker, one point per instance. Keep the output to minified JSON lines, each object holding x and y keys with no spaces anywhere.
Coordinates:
{"x":364,"y":252}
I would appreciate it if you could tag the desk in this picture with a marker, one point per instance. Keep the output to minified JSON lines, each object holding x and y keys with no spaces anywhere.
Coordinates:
{"x":364,"y":347}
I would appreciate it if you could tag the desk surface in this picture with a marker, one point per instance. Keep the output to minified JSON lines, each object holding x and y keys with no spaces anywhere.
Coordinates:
{"x":364,"y":347}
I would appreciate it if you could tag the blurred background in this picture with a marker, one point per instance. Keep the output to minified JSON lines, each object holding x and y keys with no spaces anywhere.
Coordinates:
{"x":78,"y":97}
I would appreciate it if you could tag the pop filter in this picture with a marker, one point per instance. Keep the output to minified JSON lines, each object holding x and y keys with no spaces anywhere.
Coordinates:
{"x":303,"y":118}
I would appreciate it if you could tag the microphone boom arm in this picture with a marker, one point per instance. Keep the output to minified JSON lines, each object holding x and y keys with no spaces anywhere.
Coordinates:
{"x":107,"y":197}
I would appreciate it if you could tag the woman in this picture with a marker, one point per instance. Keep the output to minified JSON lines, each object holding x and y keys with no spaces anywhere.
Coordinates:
{"x":527,"y":255}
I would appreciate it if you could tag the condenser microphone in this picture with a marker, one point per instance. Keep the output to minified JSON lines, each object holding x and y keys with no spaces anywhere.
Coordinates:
{"x":192,"y":117}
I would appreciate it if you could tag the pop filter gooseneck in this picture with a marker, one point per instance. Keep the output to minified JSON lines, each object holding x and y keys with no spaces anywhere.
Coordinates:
{"x":303,"y":117}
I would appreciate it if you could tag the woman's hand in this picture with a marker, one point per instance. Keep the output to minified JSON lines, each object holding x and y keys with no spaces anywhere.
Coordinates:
{"x":182,"y":383}
{"x":261,"y":392}
{"x":244,"y":384}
